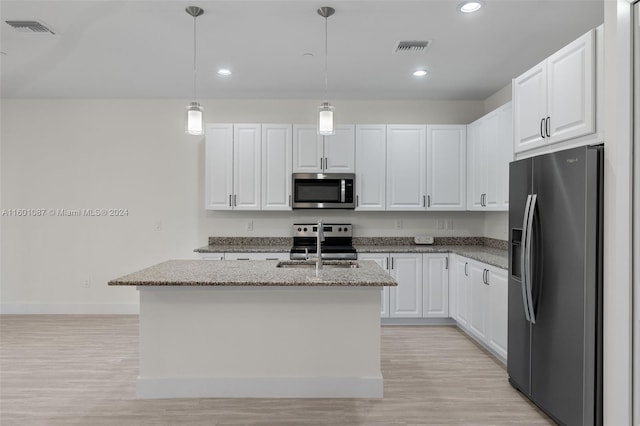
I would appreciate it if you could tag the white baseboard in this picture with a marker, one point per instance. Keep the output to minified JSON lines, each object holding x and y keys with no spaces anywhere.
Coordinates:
{"x":259,"y":387}
{"x":69,"y":309}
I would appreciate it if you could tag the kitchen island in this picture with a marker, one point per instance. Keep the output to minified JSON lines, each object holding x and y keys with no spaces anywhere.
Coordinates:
{"x":259,"y":329}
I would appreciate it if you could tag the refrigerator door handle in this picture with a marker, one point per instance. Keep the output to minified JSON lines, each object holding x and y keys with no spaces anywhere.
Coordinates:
{"x":523,"y":258}
{"x":529,"y":284}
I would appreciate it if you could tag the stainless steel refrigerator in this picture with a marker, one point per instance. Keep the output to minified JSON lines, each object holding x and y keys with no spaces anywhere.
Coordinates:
{"x":555,"y":283}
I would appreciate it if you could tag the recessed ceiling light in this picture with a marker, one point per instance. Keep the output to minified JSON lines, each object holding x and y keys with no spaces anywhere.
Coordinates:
{"x":224,"y":72}
{"x":420,"y":73}
{"x":470,"y":6}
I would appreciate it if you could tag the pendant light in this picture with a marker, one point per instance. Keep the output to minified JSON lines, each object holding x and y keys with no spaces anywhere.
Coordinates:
{"x":194,"y":121}
{"x":326,"y":123}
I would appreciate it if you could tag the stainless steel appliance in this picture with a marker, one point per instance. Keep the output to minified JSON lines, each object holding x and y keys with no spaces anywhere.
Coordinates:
{"x":555,"y":283}
{"x":323,"y":191}
{"x":337,"y":243}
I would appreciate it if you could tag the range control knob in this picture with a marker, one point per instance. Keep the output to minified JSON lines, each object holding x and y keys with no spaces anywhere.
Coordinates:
{"x":299,"y":229}
{"x":339,"y":229}
{"x":305,"y":229}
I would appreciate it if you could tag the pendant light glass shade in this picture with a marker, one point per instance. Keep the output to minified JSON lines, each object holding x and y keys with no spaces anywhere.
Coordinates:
{"x":326,"y":124}
{"x":194,"y":123}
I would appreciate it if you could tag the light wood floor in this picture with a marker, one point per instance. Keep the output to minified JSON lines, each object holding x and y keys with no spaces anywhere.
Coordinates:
{"x":81,"y":370}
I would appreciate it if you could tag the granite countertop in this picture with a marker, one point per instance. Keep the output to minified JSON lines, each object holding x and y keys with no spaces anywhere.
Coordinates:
{"x":490,"y":251}
{"x":258,"y":273}
{"x":244,"y":248}
{"x":489,"y":255}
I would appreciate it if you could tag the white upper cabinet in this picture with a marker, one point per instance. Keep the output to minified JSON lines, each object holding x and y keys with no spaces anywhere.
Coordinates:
{"x":555,"y":100}
{"x":313,"y":153}
{"x":490,"y":150}
{"x":232,"y":167}
{"x":475,"y":168}
{"x":446,"y":167}
{"x":276,"y":166}
{"x":530,"y":106}
{"x":571,"y":90}
{"x":247,"y":166}
{"x":308,"y":151}
{"x":371,"y":160}
{"x":406,"y":164}
{"x":339,"y":150}
{"x":218,"y":167}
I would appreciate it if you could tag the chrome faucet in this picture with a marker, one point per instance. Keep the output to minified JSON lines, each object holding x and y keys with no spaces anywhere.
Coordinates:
{"x":319,"y":240}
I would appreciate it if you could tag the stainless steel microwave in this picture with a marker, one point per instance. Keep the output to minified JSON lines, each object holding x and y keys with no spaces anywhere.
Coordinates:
{"x":323,"y":191}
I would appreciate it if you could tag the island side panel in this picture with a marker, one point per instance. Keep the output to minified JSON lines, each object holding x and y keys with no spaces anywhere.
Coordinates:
{"x":259,"y":342}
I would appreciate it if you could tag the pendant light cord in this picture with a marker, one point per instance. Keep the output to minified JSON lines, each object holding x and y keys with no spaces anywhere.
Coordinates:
{"x":326,"y":54}
{"x":194,"y":58}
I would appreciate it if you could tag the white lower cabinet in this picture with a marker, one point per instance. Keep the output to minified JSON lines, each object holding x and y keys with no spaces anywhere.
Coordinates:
{"x":244,"y":256}
{"x":381,"y":259}
{"x":498,"y":310}
{"x":461,"y":284}
{"x":423,"y":284}
{"x":256,"y":256}
{"x":435,"y":285}
{"x":478,"y":302}
{"x":211,"y":256}
{"x":405,"y":300}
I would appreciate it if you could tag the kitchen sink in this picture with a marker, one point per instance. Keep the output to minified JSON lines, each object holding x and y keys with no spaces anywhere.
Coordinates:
{"x":327,"y":264}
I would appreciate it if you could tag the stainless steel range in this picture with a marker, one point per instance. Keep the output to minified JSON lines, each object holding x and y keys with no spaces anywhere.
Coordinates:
{"x":337,"y":243}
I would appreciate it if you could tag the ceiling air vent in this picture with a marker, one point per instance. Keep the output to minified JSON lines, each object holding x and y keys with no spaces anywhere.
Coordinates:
{"x":29,"y":27}
{"x":412,"y":46}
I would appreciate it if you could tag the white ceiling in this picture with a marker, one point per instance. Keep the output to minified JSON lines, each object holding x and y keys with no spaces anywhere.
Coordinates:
{"x":143,"y":49}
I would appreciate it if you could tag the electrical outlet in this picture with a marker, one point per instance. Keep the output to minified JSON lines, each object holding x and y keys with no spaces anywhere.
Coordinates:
{"x":86,"y":283}
{"x":399,"y":224}
{"x":250,"y":225}
{"x":439,"y":224}
{"x":449,"y":224}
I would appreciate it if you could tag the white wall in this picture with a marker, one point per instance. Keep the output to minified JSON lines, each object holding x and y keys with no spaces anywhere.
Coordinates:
{"x":617,"y":214}
{"x":496,"y":225}
{"x":133,"y":154}
{"x":499,"y":98}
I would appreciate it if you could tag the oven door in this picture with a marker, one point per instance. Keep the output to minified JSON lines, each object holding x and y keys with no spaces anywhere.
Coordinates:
{"x":323,"y":191}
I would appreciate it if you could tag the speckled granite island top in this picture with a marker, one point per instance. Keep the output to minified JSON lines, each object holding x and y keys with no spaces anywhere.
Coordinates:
{"x":255,"y":273}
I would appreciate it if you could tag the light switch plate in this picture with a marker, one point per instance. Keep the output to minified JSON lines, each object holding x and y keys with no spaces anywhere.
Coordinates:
{"x":423,"y":239}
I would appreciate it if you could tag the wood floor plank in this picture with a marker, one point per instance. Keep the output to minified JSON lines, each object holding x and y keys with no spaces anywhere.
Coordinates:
{"x":81,"y":370}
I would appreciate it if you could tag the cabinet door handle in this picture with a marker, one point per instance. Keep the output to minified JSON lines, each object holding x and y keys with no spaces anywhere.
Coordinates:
{"x":542,"y":128}
{"x":289,"y":200}
{"x":235,"y":200}
{"x":272,"y":258}
{"x":466,"y":274}
{"x":230,"y":205}
{"x":392,"y":263}
{"x":424,"y":202}
{"x":321,"y":164}
{"x":326,"y":163}
{"x":548,"y":125}
{"x":357,"y":200}
{"x":428,"y":200}
{"x":488,"y":283}
{"x":386,"y":264}
{"x":446,"y":262}
{"x":242,"y":258}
